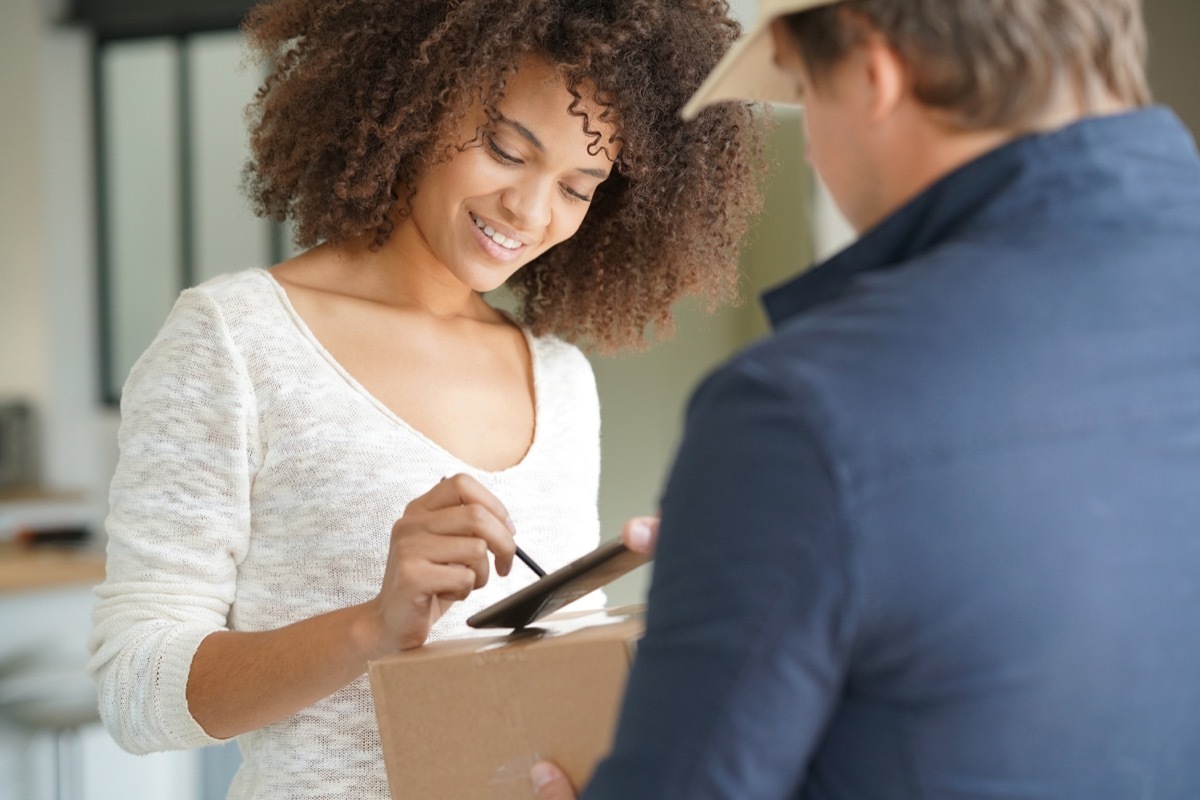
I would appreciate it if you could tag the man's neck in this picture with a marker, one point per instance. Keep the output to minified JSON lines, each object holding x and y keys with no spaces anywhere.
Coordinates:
{"x":933,"y":146}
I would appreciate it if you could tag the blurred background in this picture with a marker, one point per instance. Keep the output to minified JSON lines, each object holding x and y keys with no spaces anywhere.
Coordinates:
{"x":121,"y":146}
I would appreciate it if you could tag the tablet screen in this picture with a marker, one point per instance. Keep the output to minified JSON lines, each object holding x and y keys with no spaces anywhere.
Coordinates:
{"x":582,"y":576}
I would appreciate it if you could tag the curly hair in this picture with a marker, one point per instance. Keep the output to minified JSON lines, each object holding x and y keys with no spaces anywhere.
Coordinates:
{"x":363,"y":95}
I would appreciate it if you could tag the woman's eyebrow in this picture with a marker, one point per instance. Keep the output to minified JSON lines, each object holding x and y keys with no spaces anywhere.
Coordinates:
{"x":525,"y":133}
{"x":532,"y":138}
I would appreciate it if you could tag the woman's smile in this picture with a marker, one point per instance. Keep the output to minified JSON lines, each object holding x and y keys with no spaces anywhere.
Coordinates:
{"x":499,"y":243}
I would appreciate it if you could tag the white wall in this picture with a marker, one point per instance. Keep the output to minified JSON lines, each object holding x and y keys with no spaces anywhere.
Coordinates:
{"x":79,"y":433}
{"x":48,"y":355}
{"x":23,"y":349}
{"x":47,"y":311}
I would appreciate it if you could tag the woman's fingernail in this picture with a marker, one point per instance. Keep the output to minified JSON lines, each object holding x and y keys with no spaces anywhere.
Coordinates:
{"x":512,"y":528}
{"x":541,"y":773}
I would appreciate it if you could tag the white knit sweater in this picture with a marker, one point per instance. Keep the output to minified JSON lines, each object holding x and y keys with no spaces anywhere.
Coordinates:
{"x":257,"y":486}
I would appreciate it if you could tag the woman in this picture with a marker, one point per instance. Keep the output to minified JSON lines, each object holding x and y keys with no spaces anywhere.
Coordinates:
{"x":273,"y":525}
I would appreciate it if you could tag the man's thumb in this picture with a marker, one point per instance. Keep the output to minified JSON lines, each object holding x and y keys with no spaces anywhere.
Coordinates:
{"x":549,"y":782}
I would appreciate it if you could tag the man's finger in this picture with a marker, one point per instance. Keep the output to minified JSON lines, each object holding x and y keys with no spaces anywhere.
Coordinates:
{"x":640,"y":534}
{"x":549,"y":782}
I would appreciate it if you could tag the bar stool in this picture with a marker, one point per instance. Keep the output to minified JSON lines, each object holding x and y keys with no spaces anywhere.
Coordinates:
{"x":45,"y":695}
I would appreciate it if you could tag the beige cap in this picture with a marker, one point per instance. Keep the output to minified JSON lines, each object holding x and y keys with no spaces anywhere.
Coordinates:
{"x":748,"y":70}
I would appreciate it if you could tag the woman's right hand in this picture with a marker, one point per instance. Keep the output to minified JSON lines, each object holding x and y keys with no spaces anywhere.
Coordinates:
{"x":438,"y":555}
{"x":241,"y":680}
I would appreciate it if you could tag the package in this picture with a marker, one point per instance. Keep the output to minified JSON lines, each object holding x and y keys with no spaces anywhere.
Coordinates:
{"x":465,"y":719}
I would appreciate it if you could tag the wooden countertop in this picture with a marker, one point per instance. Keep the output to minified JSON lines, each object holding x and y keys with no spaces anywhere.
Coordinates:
{"x":24,"y":568}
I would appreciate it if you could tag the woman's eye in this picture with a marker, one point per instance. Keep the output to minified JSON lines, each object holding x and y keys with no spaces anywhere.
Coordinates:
{"x":508,"y":158}
{"x":501,"y":154}
{"x":574,"y":195}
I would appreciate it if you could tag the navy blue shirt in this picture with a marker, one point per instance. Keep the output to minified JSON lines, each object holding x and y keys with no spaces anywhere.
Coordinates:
{"x":939,"y":535}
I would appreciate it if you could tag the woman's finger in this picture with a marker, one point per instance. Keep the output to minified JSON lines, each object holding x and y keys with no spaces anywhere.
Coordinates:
{"x":462,"y":489}
{"x":427,"y":579}
{"x":472,"y":521}
{"x":485,"y":516}
{"x":466,"y":551}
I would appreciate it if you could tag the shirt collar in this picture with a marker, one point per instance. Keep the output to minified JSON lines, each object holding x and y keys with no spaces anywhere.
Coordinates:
{"x":951,"y":203}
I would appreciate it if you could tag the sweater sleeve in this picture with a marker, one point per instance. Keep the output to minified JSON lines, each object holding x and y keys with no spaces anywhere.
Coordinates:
{"x":178,"y":526}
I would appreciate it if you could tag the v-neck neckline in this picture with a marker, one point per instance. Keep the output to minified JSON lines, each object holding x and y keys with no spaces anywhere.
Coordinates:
{"x":308,"y":335}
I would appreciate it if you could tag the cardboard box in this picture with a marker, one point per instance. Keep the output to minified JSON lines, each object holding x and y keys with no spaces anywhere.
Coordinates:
{"x":465,"y":719}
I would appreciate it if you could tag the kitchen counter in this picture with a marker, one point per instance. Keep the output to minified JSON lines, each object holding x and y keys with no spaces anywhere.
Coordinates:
{"x":24,"y":568}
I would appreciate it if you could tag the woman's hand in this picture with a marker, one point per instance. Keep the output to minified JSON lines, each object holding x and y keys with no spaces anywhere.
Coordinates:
{"x":439,"y":554}
{"x":241,"y":681}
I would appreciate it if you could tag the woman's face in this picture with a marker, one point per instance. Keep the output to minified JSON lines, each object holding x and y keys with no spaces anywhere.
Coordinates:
{"x":499,"y":204}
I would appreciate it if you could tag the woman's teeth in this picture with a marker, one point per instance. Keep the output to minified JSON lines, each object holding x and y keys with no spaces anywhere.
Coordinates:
{"x":495,"y":236}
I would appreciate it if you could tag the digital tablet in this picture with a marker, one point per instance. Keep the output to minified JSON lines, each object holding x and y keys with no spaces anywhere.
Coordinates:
{"x":582,"y":576}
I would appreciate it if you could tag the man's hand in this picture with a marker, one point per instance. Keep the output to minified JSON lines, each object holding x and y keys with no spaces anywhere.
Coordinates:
{"x":640,"y":534}
{"x":550,"y":783}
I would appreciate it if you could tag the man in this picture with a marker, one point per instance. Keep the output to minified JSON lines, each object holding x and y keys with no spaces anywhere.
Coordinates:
{"x":939,"y":536}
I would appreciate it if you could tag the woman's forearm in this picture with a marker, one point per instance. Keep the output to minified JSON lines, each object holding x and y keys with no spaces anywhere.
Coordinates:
{"x":241,"y":681}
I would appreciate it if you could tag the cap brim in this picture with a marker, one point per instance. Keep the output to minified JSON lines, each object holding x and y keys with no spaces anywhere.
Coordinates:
{"x":747,"y":72}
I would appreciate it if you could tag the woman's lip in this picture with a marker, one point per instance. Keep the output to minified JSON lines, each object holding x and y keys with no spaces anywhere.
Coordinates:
{"x":493,"y":248}
{"x":508,"y":233}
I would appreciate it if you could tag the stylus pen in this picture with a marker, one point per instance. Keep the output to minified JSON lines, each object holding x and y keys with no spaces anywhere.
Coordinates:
{"x":529,"y":562}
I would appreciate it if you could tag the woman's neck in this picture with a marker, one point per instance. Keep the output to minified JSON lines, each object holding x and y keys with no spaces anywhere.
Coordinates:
{"x":402,"y":273}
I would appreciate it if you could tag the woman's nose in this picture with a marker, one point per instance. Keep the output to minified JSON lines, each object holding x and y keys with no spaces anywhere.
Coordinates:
{"x":530,"y":203}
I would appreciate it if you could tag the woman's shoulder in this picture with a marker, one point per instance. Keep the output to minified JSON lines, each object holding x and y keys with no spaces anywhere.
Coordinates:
{"x":247,"y":283}
{"x":238,"y":298}
{"x":549,"y":351}
{"x":566,"y":384}
{"x":556,"y":354}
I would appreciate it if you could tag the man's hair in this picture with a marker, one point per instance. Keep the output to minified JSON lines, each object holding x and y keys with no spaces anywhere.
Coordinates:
{"x":990,"y":63}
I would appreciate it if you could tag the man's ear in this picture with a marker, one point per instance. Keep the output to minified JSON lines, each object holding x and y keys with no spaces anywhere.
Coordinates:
{"x":886,"y":75}
{"x":786,"y":56}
